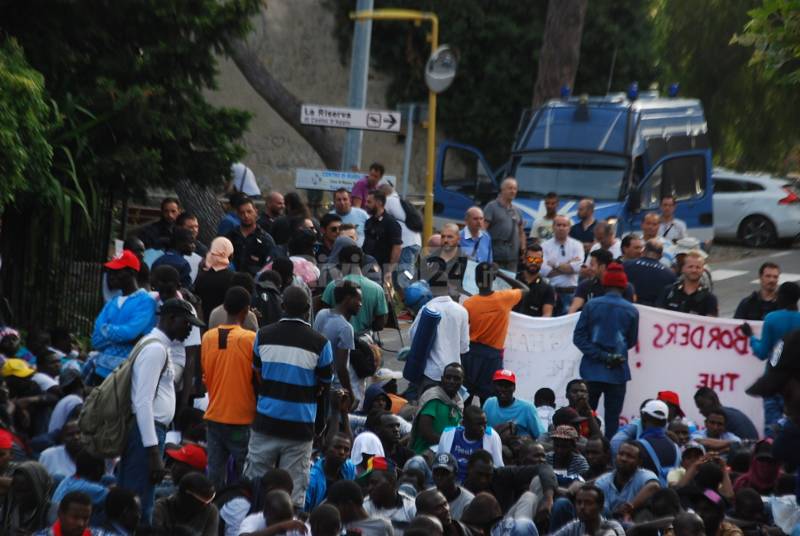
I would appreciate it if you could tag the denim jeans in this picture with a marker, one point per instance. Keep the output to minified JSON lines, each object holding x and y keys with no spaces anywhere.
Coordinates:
{"x":613,"y":399}
{"x":564,"y":299}
{"x":406,"y":263}
{"x":225,"y":441}
{"x":134,"y":468}
{"x":265,"y":452}
{"x":773,"y":411}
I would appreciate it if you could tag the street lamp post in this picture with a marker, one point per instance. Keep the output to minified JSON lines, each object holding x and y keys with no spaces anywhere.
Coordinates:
{"x":433,"y":37}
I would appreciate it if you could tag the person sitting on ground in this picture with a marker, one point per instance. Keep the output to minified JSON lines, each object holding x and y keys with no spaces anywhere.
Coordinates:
{"x":715,"y":437}
{"x":59,"y":460}
{"x":598,"y":455}
{"x":26,"y":506}
{"x":277,"y":518}
{"x":325,"y":521}
{"x":485,"y":516}
{"x":473,"y":435}
{"x":383,"y":499}
{"x":389,"y":431}
{"x":628,"y":487}
{"x":440,"y":407}
{"x":191,"y":508}
{"x":432,"y":503}
{"x":690,"y":455}
{"x":510,"y":416}
{"x":237,"y":502}
{"x":545,"y":401}
{"x":508,"y":483}
{"x":661,"y":454}
{"x":710,"y":506}
{"x":123,"y":514}
{"x":347,"y":497}
{"x":589,"y":505}
{"x":445,"y":472}
{"x":332,"y":467}
{"x":736,"y":422}
{"x":568,"y":464}
{"x":69,"y":406}
{"x":89,"y":471}
{"x":74,"y":513}
{"x":764,"y":470}
{"x":577,"y":394}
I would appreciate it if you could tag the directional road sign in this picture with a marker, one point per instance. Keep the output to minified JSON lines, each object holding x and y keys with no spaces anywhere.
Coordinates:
{"x":328,"y":116}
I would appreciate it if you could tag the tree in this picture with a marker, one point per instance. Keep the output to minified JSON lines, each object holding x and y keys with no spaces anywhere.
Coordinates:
{"x":132,"y":75}
{"x":752,"y":122}
{"x":284,"y":102}
{"x":497,"y":44}
{"x":561,"y":45}
{"x":25,"y":120}
{"x":774,"y":33}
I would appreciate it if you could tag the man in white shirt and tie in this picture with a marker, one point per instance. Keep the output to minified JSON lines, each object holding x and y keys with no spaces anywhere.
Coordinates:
{"x":562,"y":262}
{"x":141,"y":466}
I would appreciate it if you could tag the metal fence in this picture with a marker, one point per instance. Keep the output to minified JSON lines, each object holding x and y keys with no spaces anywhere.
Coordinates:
{"x":52,"y":278}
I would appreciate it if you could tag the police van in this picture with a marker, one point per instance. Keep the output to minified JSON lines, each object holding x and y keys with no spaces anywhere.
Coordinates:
{"x":624,"y":151}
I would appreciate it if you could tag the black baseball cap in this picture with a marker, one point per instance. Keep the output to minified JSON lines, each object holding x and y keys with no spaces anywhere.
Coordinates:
{"x":178,"y":307}
{"x":783,"y":365}
{"x":445,"y":460}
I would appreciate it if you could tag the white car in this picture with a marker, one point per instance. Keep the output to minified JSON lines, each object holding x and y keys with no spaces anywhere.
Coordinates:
{"x":756,"y":209}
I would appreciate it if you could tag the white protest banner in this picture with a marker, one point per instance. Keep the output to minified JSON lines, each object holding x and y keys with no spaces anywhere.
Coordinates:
{"x":676,"y":352}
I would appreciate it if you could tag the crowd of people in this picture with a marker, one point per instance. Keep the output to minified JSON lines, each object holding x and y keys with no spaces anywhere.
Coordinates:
{"x":239,"y":387}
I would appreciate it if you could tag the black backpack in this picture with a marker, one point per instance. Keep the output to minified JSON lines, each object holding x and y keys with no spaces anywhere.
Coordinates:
{"x":269,"y":304}
{"x":413,"y":216}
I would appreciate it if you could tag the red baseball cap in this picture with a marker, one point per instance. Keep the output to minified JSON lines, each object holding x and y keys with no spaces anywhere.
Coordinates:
{"x":126,"y":259}
{"x":6,"y":439}
{"x":671,"y":398}
{"x":192,"y":455}
{"x":504,"y":375}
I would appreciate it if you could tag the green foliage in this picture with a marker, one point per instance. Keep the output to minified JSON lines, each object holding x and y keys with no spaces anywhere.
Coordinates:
{"x":774,"y":33}
{"x":25,"y":118}
{"x":498,"y":44}
{"x":128,"y":79}
{"x":752,"y":122}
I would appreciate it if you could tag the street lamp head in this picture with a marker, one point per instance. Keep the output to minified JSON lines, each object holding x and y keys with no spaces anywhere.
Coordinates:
{"x":440,"y":69}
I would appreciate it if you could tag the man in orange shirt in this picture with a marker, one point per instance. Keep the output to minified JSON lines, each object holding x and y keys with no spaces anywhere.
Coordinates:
{"x":489,"y":313}
{"x":227,"y":360}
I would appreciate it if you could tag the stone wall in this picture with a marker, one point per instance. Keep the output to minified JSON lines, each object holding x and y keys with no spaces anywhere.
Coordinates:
{"x":295,"y":40}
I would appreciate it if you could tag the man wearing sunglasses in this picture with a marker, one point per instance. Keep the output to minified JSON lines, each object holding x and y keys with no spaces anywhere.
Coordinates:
{"x":330,"y":224}
{"x":541,"y":298}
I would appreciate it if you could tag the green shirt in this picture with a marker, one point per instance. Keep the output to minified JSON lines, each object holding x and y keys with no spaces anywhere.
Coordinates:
{"x":443,"y":415}
{"x":373,"y":302}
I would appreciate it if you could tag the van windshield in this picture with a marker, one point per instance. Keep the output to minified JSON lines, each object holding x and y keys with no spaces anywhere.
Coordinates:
{"x":578,"y":175}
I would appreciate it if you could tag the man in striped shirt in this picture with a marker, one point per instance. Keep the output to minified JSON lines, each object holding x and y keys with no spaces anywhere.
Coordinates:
{"x":294,"y":365}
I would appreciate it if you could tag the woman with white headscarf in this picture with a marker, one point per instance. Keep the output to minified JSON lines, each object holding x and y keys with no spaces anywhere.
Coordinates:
{"x":214,"y":279}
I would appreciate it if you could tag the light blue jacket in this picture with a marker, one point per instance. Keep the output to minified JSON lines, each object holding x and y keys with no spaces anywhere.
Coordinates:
{"x":117,"y":329}
{"x":776,"y":325}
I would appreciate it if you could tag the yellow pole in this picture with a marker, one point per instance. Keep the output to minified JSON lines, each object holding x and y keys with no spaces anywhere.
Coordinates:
{"x":427,"y":228}
{"x":417,"y":16}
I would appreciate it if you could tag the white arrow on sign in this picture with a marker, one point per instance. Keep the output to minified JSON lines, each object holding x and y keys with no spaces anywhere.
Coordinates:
{"x":328,"y":116}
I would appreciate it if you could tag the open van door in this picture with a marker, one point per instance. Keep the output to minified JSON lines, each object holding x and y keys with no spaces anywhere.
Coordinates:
{"x":463,"y":179}
{"x":687,"y":177}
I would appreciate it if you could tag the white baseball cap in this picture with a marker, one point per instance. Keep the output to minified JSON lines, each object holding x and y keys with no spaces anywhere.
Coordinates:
{"x":656,"y":409}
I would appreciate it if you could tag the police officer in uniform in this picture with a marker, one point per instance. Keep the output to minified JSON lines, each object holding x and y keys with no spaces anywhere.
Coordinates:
{"x":688,"y":294}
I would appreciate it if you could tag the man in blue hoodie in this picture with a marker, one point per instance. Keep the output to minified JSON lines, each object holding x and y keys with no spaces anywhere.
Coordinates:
{"x":123,"y":320}
{"x":776,"y":324}
{"x":607,"y":328}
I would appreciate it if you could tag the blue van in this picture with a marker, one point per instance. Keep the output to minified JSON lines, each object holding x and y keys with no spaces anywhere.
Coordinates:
{"x":624,"y":153}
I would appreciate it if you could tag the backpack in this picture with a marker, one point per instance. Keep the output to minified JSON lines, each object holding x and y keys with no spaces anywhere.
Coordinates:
{"x":661,"y":472}
{"x":269,"y":303}
{"x":106,"y":415}
{"x":363,"y":359}
{"x":413,"y":216}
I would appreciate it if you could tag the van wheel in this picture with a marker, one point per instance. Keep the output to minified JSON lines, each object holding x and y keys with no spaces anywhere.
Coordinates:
{"x":757,"y":232}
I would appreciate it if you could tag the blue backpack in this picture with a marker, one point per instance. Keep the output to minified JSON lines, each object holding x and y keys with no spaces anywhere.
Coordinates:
{"x":661,"y":472}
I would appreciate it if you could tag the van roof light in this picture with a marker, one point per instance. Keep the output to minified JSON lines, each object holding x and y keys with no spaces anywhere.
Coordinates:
{"x":633,"y":91}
